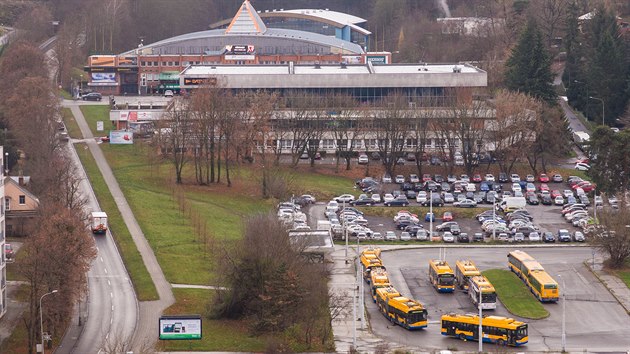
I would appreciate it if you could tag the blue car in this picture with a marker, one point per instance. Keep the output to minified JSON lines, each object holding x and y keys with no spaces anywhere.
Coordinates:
{"x":429,"y":217}
{"x":484,"y":187}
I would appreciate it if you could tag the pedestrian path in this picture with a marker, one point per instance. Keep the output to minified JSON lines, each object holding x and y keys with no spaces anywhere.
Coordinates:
{"x":617,"y":288}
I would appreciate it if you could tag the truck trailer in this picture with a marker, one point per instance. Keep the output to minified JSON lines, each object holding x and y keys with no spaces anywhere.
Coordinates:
{"x":98,"y":222}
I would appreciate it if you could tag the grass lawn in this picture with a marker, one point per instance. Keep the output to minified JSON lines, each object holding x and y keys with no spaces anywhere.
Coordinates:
{"x":145,"y":289}
{"x":71,"y":124}
{"x":458,"y":213}
{"x":515,"y":295}
{"x":95,"y":113}
{"x":216,"y":335}
{"x":624,"y":275}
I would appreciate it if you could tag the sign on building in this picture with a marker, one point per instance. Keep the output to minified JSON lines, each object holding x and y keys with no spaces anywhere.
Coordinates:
{"x":180,"y":327}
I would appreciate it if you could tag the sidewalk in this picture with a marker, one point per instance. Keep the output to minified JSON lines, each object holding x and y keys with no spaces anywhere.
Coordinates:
{"x":617,"y":288}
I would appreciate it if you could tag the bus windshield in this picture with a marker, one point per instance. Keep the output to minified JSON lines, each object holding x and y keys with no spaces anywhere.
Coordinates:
{"x":417,"y":316}
{"x":521,"y":332}
{"x":489,"y":297}
{"x":550,"y":286}
{"x":446,"y":279}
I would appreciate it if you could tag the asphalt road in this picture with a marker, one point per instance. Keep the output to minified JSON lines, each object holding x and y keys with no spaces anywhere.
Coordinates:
{"x":594,"y":319}
{"x":111,"y":304}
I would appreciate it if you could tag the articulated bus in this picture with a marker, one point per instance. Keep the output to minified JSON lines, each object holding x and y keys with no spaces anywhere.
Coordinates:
{"x":407,"y":313}
{"x":370,"y":259}
{"x":480,"y":284}
{"x":496,"y":329}
{"x":541,"y":284}
{"x":464,"y":269}
{"x":441,"y":276}
{"x":378,"y":279}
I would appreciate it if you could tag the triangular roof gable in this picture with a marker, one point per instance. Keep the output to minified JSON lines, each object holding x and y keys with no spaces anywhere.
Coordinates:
{"x":9,"y":180}
{"x":246,"y":21}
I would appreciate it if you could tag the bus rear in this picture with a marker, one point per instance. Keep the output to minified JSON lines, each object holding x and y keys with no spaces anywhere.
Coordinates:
{"x":464,"y":269}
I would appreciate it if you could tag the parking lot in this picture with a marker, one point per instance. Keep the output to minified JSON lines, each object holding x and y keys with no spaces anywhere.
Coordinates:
{"x":594,"y":319}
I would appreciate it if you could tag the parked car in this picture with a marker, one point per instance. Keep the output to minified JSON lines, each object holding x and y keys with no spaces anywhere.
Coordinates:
{"x":448,"y":237}
{"x":548,"y":237}
{"x":92,"y":96}
{"x":405,"y":236}
{"x":8,"y":251}
{"x":376,"y":198}
{"x":422,"y":235}
{"x":363,"y":201}
{"x":477,"y":237}
{"x":387,"y":179}
{"x":558,"y":200}
{"x":363,"y":159}
{"x":489,"y":177}
{"x":463,"y":238}
{"x":466,"y":203}
{"x":449,"y":198}
{"x":557,"y":178}
{"x":438,"y":179}
{"x":448,"y":216}
{"x":533,"y":200}
{"x":534,"y":236}
{"x":514,"y":178}
{"x":530,"y":178}
{"x":578,"y":236}
{"x":451,"y":178}
{"x":564,"y":235}
{"x":543,"y":178}
{"x":390,"y":236}
{"x":168,"y":93}
{"x":399,"y":201}
{"x":400,"y":179}
{"x":503,"y":177}
{"x":377,"y":236}
{"x":344,"y":198}
{"x":429,"y":217}
{"x":519,"y":237}
{"x":413,"y":178}
{"x":580,"y":166}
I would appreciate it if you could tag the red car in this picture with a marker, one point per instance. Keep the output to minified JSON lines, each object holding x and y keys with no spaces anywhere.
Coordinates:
{"x":555,"y":193}
{"x":544,"y":187}
{"x":477,"y":178}
{"x":543,"y":178}
{"x":585,"y":185}
{"x":426,"y":177}
{"x":448,"y":216}
{"x":586,"y":161}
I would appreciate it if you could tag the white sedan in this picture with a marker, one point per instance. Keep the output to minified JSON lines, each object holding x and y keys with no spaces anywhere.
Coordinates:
{"x":388,"y":197}
{"x":344,"y":198}
{"x":581,"y":166}
{"x":516,"y":187}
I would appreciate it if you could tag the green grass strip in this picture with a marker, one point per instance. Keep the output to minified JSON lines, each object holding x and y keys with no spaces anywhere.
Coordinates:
{"x":71,"y":124}
{"x":142,"y":282}
{"x":515,"y":295}
{"x":95,"y":113}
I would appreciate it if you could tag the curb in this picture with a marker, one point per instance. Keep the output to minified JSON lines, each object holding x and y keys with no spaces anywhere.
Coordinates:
{"x":605,"y":284}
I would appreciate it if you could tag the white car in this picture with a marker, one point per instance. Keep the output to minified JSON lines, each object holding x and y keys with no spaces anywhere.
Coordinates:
{"x":470,"y":187}
{"x":387,"y":179}
{"x":414,"y":178}
{"x":405,"y":236}
{"x":391,"y":236}
{"x":489,"y":177}
{"x":578,"y":236}
{"x":377,"y":236}
{"x":363,"y":159}
{"x":558,"y":200}
{"x":514,"y":178}
{"x":567,"y":193}
{"x":516,"y":187}
{"x":376,"y":198}
{"x":448,"y":237}
{"x":388,"y":197}
{"x":168,"y":93}
{"x":581,"y":166}
{"x":332,"y":206}
{"x":421,"y":197}
{"x":400,"y":179}
{"x":344,"y":198}
{"x":534,"y":236}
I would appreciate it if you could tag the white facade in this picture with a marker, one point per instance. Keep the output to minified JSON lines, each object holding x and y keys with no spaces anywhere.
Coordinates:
{"x":3,"y":261}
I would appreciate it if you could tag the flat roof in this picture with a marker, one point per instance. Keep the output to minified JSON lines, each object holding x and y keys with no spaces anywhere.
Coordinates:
{"x":424,"y":68}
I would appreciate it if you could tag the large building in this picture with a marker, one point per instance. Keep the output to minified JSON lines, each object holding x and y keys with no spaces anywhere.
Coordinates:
{"x":246,"y":40}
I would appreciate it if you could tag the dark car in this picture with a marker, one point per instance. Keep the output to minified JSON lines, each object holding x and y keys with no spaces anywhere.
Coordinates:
{"x":398,"y":202}
{"x":363,"y":201}
{"x":437,"y":201}
{"x":375,"y":156}
{"x":444,"y":186}
{"x":413,"y":229}
{"x":402,"y":224}
{"x":503,"y":177}
{"x":407,"y":186}
{"x":411,"y":194}
{"x":463,"y":237}
{"x":92,"y":96}
{"x":532,"y":200}
{"x":430,"y":186}
{"x":477,"y":237}
{"x":438,"y":179}
{"x":548,"y":237}
{"x":546,"y":200}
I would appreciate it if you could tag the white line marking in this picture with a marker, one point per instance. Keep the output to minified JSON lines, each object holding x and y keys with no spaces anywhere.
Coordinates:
{"x":109,"y":282}
{"x":105,"y":270}
{"x":112,"y":308}
{"x":111,"y":295}
{"x":101,"y":259}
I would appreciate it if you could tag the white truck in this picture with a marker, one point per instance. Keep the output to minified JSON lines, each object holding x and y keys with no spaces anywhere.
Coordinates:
{"x":511,"y":203}
{"x":98,"y":222}
{"x":324,"y":225}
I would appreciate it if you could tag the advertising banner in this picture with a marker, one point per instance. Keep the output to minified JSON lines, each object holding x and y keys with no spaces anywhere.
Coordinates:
{"x":102,"y":60}
{"x":104,"y":77}
{"x":180,"y":327}
{"x":120,"y":137}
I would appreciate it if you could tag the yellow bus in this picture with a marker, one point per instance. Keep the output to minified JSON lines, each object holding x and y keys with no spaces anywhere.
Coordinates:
{"x":399,"y":310}
{"x":464,"y":269}
{"x":541,"y":284}
{"x":441,"y":276}
{"x":378,"y":279}
{"x":496,"y":329}
{"x":370,"y":259}
{"x":481,"y":284}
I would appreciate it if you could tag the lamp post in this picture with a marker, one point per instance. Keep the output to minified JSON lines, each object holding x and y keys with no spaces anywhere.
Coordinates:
{"x":41,"y":318}
{"x":564,"y":312}
{"x":81,"y":84}
{"x":480,"y":337}
{"x":431,"y":215}
{"x":603,"y":107}
{"x":494,"y":219}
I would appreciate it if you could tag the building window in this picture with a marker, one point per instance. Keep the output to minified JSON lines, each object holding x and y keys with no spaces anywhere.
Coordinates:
{"x":22,"y":199}
{"x":328,"y":144}
{"x":7,"y":203}
{"x":155,"y":63}
{"x":176,"y":63}
{"x":143,"y":63}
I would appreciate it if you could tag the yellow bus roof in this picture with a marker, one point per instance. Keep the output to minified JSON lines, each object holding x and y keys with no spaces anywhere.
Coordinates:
{"x":529,"y":261}
{"x":441,"y":267}
{"x":379,"y":279}
{"x":405,"y":304}
{"x":387,"y":292}
{"x":371,"y":261}
{"x":543,"y":277}
{"x":482,"y":283}
{"x":495,"y":321}
{"x":370,"y":250}
{"x":467,"y":267}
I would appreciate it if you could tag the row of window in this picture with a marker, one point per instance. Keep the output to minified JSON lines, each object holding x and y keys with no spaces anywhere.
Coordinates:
{"x":358,"y":144}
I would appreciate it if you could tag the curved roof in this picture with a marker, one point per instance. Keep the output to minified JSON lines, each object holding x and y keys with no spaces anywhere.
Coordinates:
{"x":333,"y":18}
{"x":309,"y":37}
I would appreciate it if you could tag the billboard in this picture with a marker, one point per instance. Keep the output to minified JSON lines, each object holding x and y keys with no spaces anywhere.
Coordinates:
{"x":102,"y":60}
{"x":180,"y":327}
{"x":240,"y":52}
{"x":120,"y":137}
{"x":104,"y":77}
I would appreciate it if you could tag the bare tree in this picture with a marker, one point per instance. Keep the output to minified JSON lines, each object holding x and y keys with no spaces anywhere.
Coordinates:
{"x":346,"y":127}
{"x":392,"y":126}
{"x":612,"y":235}
{"x":177,"y":138}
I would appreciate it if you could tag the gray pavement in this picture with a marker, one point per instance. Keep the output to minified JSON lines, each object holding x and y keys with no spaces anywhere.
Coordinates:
{"x":149,"y":311}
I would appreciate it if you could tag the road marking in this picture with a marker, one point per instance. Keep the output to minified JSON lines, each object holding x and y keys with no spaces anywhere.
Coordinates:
{"x":111,"y":320}
{"x":109,"y":283}
{"x":105,"y":270}
{"x":112,"y":308}
{"x":111,"y":295}
{"x":101,"y":259}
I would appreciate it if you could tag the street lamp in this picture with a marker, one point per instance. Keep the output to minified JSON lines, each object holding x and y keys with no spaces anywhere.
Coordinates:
{"x":564,"y":312}
{"x":41,"y":318}
{"x":603,"y":106}
{"x":431,"y":215}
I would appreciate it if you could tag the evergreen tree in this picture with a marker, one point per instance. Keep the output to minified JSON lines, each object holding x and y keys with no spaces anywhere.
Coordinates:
{"x":572,"y":76}
{"x":610,"y":162}
{"x":529,"y":66}
{"x":606,"y":66}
